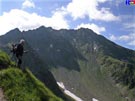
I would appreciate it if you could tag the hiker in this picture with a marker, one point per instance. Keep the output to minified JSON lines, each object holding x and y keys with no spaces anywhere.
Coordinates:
{"x":19,"y":52}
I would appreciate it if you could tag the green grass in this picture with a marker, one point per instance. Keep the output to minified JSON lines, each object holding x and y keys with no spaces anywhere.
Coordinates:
{"x":4,"y":60}
{"x":19,"y":86}
{"x":123,"y":73}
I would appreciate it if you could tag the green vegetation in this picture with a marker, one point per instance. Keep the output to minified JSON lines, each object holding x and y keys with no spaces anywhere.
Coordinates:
{"x":19,"y":86}
{"x":22,"y":86}
{"x":4,"y":60}
{"x":122,"y":72}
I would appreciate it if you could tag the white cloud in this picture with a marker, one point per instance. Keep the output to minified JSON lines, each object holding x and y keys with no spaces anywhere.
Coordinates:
{"x":129,"y":39}
{"x":132,"y":39}
{"x":118,"y":2}
{"x":24,"y":21}
{"x":113,"y":38}
{"x":132,"y":43}
{"x":125,"y":38}
{"x":101,"y":0}
{"x":90,"y":8}
{"x":129,"y":25}
{"x":28,"y":4}
{"x":92,"y":26}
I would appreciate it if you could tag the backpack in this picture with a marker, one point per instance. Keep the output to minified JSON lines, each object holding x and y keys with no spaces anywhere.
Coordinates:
{"x":14,"y":48}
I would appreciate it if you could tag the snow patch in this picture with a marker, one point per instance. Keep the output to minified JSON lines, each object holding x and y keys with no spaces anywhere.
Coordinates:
{"x":93,"y":99}
{"x":67,"y":92}
{"x":61,"y":85}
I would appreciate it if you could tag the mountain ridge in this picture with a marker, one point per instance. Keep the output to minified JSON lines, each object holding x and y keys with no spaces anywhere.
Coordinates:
{"x":83,"y":60}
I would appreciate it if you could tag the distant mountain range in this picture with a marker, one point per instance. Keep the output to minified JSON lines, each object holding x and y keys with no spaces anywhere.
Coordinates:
{"x":89,"y":65}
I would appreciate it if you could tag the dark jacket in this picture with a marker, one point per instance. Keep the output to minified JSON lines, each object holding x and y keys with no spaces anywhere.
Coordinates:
{"x":19,"y":50}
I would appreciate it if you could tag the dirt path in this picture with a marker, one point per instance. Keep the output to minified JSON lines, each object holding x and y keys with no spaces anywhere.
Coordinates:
{"x":2,"y":95}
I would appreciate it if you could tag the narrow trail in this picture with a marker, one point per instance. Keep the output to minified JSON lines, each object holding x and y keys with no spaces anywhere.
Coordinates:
{"x":2,"y":98}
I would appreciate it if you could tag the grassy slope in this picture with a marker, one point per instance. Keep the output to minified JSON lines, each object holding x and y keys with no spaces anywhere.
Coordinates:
{"x":20,"y":86}
{"x":4,"y":60}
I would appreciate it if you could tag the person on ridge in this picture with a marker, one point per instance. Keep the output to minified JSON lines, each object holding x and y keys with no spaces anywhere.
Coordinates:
{"x":19,"y":52}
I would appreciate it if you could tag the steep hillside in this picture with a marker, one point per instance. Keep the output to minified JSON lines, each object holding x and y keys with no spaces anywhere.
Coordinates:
{"x":87,"y":64}
{"x":22,"y":86}
{"x":5,"y":60}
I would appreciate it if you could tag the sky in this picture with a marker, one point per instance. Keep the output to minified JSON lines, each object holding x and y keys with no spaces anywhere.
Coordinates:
{"x":111,"y":18}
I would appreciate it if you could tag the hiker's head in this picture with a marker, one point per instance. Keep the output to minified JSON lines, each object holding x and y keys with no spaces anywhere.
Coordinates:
{"x":22,"y":41}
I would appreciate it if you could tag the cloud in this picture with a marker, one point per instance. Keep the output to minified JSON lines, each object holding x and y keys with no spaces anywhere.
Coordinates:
{"x":118,"y":2}
{"x":129,"y":25}
{"x":25,"y":21}
{"x":82,"y":8}
{"x":28,"y":4}
{"x":132,"y":39}
{"x":112,"y":37}
{"x":125,"y":38}
{"x":121,"y":38}
{"x":129,"y":39}
{"x":132,"y":43}
{"x":92,"y":26}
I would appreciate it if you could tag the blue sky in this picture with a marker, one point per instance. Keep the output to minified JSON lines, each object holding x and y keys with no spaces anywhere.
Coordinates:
{"x":111,"y":18}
